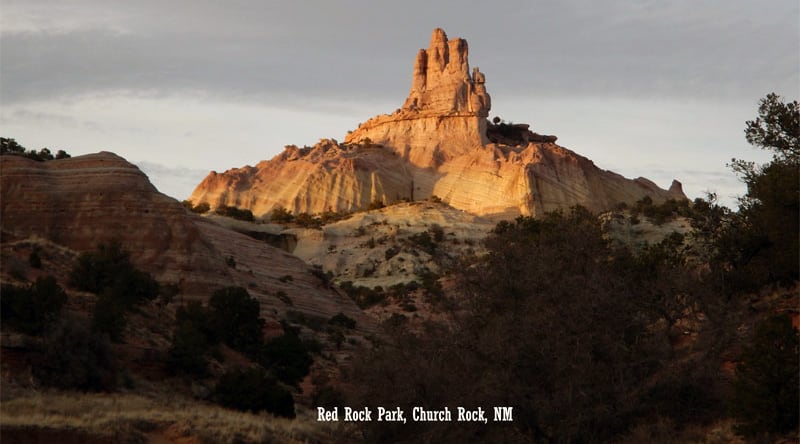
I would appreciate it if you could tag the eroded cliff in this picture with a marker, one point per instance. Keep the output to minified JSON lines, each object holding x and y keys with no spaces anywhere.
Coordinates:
{"x":438,"y":143}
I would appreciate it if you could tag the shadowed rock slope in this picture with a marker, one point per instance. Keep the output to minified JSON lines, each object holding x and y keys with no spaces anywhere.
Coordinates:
{"x":98,"y":198}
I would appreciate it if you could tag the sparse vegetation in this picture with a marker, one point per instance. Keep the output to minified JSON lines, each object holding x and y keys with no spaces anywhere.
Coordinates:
{"x":11,"y":147}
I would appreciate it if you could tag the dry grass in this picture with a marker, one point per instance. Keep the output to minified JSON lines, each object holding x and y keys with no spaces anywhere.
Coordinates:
{"x":128,"y":417}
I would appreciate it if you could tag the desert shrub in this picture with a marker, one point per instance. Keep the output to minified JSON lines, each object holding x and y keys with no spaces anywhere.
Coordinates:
{"x":328,"y":397}
{"x":281,"y":215}
{"x":342,"y":320}
{"x":287,"y":357}
{"x":202,"y":208}
{"x":766,"y":395}
{"x":391,"y":252}
{"x":396,"y":320}
{"x":437,"y":232}
{"x":308,"y":221}
{"x":108,"y":316}
{"x":75,"y":358}
{"x":34,"y":259}
{"x":682,"y":400}
{"x":329,"y":216}
{"x":235,"y":213}
{"x":375,"y":205}
{"x":253,"y":390}
{"x":363,"y":296}
{"x":190,"y":348}
{"x":326,"y":278}
{"x":110,"y":267}
{"x":234,"y":315}
{"x":34,"y":308}
{"x":424,"y":241}
{"x":195,"y":337}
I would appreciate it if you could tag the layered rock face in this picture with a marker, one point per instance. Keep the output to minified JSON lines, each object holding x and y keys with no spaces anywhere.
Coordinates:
{"x":438,"y":143}
{"x":80,"y":202}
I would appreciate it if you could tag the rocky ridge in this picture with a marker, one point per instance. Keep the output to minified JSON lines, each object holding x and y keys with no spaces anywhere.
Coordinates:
{"x":80,"y":202}
{"x":439,"y":143}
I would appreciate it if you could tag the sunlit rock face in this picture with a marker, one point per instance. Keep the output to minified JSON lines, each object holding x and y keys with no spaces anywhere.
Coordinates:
{"x":438,"y":143}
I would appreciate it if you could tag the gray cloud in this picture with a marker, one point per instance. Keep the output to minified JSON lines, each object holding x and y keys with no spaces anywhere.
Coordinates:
{"x":282,"y":51}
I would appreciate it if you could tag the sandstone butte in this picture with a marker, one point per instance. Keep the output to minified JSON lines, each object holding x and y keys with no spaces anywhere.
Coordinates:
{"x":80,"y":202}
{"x":438,"y":143}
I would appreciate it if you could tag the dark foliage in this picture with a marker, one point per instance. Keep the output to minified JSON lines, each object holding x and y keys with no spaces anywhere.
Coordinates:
{"x":375,"y":205}
{"x":193,"y":341}
{"x":201,"y":208}
{"x":767,"y":387}
{"x":557,"y":323}
{"x":34,"y":259}
{"x":75,"y":358}
{"x":253,"y":390}
{"x":34,"y":308}
{"x":235,"y":213}
{"x":110,"y":267}
{"x":281,"y":215}
{"x":287,"y":357}
{"x":109,"y":273}
{"x":363,"y":296}
{"x":235,"y":317}
{"x":11,"y":147}
{"x":308,"y":221}
{"x":342,"y":320}
{"x":108,"y":316}
{"x":759,"y":245}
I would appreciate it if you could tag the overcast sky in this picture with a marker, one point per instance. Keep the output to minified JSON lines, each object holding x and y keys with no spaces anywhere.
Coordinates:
{"x":659,"y":89}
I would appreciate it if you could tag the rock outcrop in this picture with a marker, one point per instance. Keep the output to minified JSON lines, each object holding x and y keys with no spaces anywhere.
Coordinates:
{"x":438,"y":143}
{"x":80,"y":202}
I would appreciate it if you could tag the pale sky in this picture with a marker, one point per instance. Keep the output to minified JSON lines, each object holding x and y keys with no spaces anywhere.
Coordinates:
{"x":645,"y":88}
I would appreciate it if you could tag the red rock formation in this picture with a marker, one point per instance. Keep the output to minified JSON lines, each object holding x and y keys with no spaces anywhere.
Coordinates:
{"x":439,"y":143}
{"x":98,"y":198}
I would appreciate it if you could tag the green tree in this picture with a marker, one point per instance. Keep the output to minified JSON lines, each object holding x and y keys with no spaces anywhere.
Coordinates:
{"x":761,"y":243}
